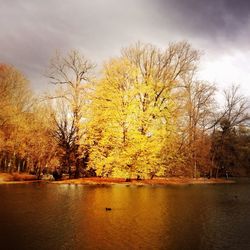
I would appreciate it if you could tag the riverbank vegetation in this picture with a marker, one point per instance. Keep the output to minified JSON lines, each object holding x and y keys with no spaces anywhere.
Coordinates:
{"x":146,"y":115}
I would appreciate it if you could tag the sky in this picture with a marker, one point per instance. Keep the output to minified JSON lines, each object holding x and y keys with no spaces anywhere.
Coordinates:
{"x":32,"y":30}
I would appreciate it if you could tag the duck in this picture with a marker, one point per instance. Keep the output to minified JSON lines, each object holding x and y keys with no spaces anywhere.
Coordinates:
{"x":108,"y":208}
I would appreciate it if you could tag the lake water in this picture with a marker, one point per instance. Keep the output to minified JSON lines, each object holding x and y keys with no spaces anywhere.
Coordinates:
{"x":47,"y":216}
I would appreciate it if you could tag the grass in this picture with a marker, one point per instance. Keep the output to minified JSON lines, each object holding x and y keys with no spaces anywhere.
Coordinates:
{"x":16,"y":177}
{"x":6,"y":178}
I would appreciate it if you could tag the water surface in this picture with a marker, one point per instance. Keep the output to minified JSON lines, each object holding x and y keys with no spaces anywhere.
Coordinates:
{"x":46,"y":216}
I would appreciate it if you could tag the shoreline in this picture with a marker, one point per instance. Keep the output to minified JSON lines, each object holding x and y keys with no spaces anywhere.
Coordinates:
{"x":122,"y":181}
{"x":146,"y":182}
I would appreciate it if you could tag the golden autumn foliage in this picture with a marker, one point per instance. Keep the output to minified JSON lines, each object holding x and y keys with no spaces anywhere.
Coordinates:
{"x":133,"y":113}
{"x":146,"y":115}
{"x":25,"y":141}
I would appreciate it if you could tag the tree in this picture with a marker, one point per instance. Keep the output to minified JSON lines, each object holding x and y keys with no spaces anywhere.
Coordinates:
{"x":24,"y":128}
{"x":235,"y":109}
{"x":64,"y":133}
{"x":72,"y":74}
{"x":14,"y":102}
{"x":134,"y":109}
{"x":14,"y":91}
{"x":233,"y":114}
{"x":199,"y":111}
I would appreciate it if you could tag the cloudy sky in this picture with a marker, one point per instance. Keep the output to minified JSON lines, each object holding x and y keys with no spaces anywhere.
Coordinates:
{"x":31,"y":31}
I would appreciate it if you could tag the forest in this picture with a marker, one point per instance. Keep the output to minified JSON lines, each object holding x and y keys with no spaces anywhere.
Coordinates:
{"x":145,"y":115}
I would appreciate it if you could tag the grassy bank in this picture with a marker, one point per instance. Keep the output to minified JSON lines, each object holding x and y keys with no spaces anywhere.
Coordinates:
{"x":14,"y":178}
{"x":6,"y":178}
{"x":155,"y":181}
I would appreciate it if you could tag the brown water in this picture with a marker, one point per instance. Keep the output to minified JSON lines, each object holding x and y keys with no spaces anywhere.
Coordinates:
{"x":40,"y":216}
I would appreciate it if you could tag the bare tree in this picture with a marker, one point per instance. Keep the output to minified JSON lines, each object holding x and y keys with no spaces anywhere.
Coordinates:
{"x":199,"y":106}
{"x":72,"y":73}
{"x":233,"y":114}
{"x":236,"y":107}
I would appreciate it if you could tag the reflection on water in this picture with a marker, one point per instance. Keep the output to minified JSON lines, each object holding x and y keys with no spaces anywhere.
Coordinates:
{"x":44,"y":216}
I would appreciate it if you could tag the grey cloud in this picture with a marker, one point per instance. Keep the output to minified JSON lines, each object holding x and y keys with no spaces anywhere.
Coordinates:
{"x":214,"y":20}
{"x":32,"y":30}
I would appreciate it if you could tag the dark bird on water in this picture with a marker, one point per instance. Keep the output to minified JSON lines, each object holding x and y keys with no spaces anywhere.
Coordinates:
{"x":108,"y":208}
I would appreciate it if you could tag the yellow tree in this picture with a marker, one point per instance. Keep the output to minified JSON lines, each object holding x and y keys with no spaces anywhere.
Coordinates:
{"x":112,"y":117}
{"x":133,"y":112}
{"x":24,"y":125}
{"x":15,"y":101}
{"x":40,"y":148}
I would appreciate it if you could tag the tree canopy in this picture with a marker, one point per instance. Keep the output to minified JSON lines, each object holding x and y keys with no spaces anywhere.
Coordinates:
{"x":146,"y":114}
